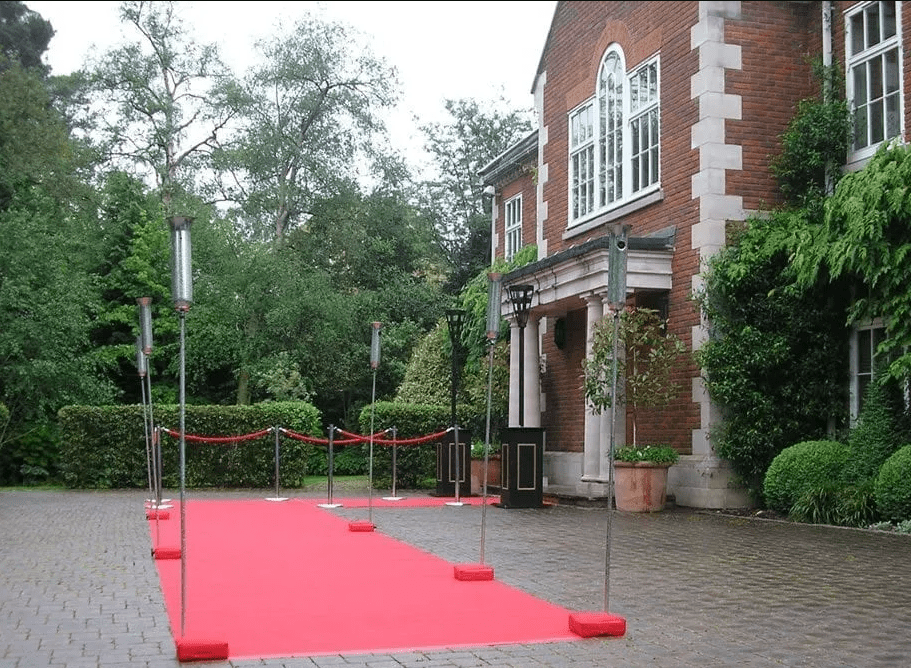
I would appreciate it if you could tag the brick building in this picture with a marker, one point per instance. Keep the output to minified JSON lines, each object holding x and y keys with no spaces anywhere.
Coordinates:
{"x":657,"y":121}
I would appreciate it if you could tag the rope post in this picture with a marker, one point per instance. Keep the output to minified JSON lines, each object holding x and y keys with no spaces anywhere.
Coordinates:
{"x":278,"y":496}
{"x":395,"y":446}
{"x":329,"y":502}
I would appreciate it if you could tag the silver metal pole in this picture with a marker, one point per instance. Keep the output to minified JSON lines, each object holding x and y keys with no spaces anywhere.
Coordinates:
{"x":610,"y":473}
{"x":370,"y":477}
{"x":394,"y":472}
{"x":486,"y":451}
{"x":277,"y":495}
{"x":183,"y":476}
{"x":331,"y":462}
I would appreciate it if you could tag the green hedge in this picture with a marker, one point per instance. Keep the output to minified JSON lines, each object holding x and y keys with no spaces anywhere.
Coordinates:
{"x":415,"y":464}
{"x":801,"y":467}
{"x":105,"y":446}
{"x":893,"y":486}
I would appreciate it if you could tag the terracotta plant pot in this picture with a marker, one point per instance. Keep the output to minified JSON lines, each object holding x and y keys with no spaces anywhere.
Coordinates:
{"x":640,"y":487}
{"x":493,"y":474}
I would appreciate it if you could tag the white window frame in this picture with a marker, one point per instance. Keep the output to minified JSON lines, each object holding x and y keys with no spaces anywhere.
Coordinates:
{"x":870,"y":55}
{"x":614,"y":140}
{"x":512,"y":222}
{"x":864,"y":341}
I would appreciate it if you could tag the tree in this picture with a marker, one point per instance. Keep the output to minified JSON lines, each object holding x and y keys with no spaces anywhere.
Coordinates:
{"x":305,"y":122}
{"x":47,"y":293}
{"x":647,"y":357}
{"x":459,"y":148}
{"x":152,"y":107}
{"x":24,"y":36}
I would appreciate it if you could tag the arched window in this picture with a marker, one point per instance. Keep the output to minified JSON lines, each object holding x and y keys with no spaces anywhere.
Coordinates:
{"x":614,"y":138}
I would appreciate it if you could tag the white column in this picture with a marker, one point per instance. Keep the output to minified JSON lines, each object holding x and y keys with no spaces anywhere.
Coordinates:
{"x":532,"y":374}
{"x":513,"y":373}
{"x":591,"y":465}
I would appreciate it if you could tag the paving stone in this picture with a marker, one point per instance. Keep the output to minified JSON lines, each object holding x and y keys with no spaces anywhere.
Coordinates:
{"x":78,"y":586}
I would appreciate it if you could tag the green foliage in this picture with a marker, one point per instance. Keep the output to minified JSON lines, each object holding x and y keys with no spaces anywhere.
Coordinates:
{"x":875,"y":435}
{"x":865,"y":239}
{"x":645,"y":366}
{"x":893,"y":486}
{"x":105,"y":447}
{"x":815,"y":144}
{"x":774,"y":360}
{"x":800,"y":467}
{"x":657,"y":454}
{"x":837,"y":504}
{"x":24,"y":36}
{"x":471,"y":138}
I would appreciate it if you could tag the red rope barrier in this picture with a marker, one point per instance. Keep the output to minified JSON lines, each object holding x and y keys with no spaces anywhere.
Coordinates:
{"x":217,"y":439}
{"x":413,"y":441}
{"x":355,"y":438}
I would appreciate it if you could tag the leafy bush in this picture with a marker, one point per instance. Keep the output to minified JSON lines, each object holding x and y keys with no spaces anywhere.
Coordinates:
{"x":892,"y":488}
{"x":834,"y":503}
{"x":415,"y":464}
{"x":106,"y":447}
{"x":801,"y":467}
{"x":656,"y":454}
{"x":875,"y":436}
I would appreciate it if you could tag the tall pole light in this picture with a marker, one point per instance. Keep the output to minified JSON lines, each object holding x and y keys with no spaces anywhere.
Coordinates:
{"x":143,"y":369}
{"x":616,"y":298}
{"x":182,"y":294}
{"x":493,"y":331}
{"x":455,"y":319}
{"x":520,"y":297}
{"x":145,"y":350}
{"x":374,"y":364}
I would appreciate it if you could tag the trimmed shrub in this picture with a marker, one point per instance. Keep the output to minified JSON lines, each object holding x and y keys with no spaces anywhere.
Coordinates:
{"x":415,"y":464}
{"x":893,"y":486}
{"x":875,"y":436}
{"x":801,"y":467}
{"x":106,"y":447}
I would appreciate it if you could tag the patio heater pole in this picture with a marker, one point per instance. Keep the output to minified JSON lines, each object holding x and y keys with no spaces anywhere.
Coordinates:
{"x":455,"y":318}
{"x":493,"y":330}
{"x":182,"y":294}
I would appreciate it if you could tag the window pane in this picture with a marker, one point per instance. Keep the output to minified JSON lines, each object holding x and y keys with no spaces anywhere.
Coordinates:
{"x":876,"y":79}
{"x":891,"y":62}
{"x":864,"y":351}
{"x":893,"y":122}
{"x":860,"y":85}
{"x":654,"y":174}
{"x":860,"y":127}
{"x":857,"y":33}
{"x":872,"y":13}
{"x":888,"y":19}
{"x":877,"y":129}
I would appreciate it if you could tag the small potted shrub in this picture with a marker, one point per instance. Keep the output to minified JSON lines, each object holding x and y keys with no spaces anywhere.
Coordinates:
{"x":640,"y":477}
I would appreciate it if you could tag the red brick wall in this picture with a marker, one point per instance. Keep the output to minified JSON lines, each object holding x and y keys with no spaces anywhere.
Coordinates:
{"x":776,"y":39}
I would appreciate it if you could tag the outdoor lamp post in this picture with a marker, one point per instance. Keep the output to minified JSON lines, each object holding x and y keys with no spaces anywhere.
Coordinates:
{"x":182,"y":295}
{"x":455,"y":318}
{"x":520,"y":297}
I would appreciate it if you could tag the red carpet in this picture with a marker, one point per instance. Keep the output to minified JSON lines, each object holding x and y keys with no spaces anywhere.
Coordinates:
{"x":281,"y":579}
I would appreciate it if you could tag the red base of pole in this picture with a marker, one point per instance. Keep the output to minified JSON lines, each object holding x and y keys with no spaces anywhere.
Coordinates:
{"x":166,"y":552}
{"x":361,"y":526}
{"x":473,"y":572}
{"x":592,"y":624}
{"x":157,"y":515}
{"x":202,"y":650}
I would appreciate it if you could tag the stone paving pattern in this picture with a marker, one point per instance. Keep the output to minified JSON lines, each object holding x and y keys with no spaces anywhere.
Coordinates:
{"x":79,"y":588}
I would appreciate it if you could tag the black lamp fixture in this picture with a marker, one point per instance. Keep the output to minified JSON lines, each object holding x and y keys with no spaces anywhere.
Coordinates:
{"x":455,"y":319}
{"x":520,"y":297}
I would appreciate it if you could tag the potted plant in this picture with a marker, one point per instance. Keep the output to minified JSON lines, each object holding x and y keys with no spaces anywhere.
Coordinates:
{"x":640,"y":477}
{"x":477,"y":467}
{"x":641,"y":377}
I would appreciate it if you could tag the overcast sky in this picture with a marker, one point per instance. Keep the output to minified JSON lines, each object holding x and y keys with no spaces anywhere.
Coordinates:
{"x":441,"y":49}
